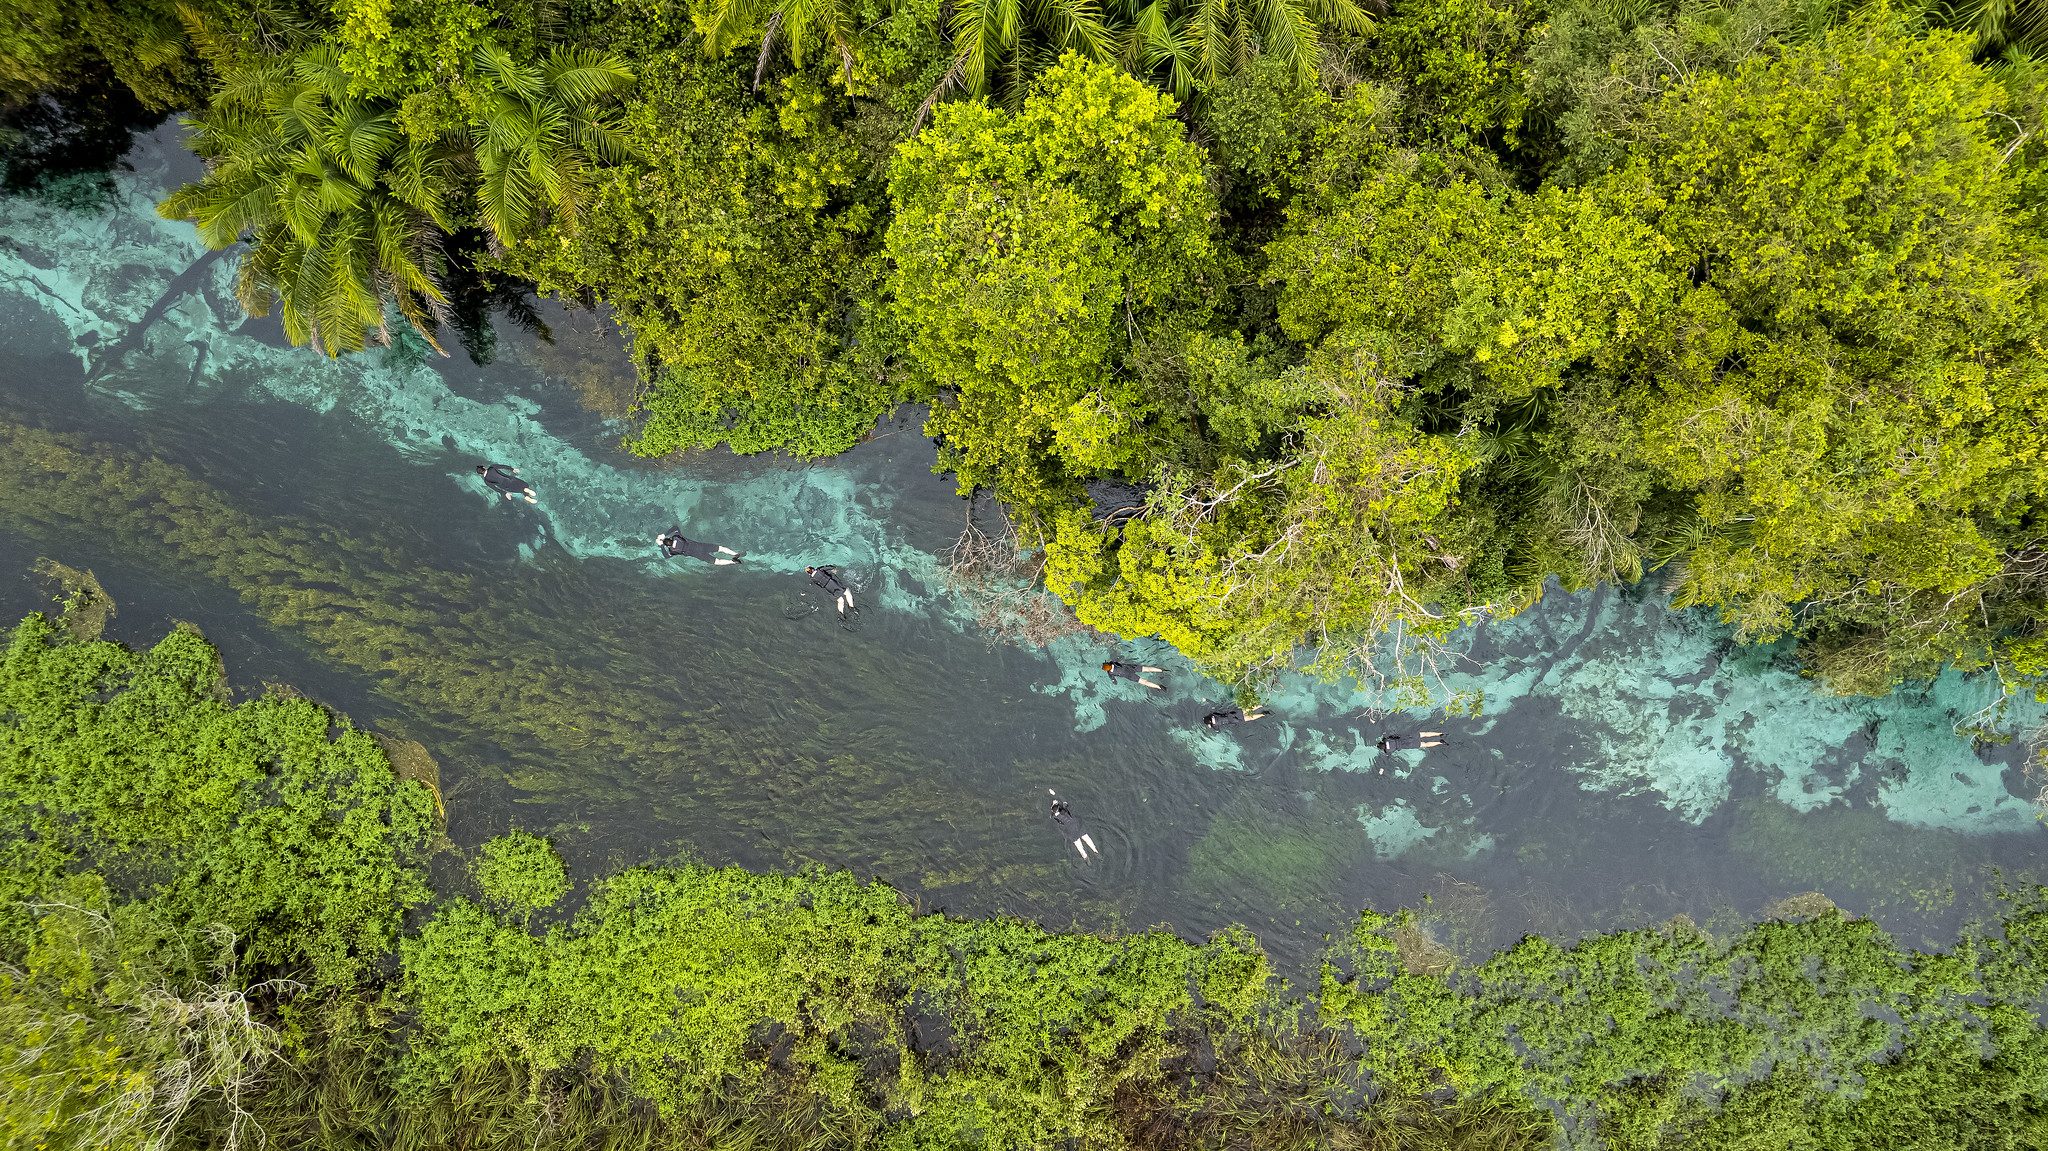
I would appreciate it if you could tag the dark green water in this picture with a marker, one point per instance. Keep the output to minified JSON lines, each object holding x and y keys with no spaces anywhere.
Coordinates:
{"x":319,"y":521}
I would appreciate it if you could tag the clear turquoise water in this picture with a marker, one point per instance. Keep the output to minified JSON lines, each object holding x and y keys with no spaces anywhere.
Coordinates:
{"x":1628,"y":763}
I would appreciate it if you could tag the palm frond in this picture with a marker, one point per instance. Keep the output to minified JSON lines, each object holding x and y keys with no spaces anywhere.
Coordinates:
{"x":585,"y":76}
{"x":730,"y":22}
{"x":1076,"y":25}
{"x":1285,"y":30}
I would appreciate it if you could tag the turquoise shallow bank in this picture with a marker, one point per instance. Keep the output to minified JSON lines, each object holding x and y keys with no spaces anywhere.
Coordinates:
{"x":1628,"y":763}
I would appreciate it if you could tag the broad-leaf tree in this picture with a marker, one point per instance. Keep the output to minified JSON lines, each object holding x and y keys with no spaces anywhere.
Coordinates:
{"x":1030,"y":250}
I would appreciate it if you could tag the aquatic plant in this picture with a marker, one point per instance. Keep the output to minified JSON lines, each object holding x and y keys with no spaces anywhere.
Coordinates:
{"x":253,"y":816}
{"x":520,"y":872}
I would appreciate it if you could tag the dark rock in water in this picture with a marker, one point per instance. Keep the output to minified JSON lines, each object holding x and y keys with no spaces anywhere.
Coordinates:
{"x":1349,"y":1043}
{"x":931,"y":1031}
{"x":881,"y":1064}
{"x":88,"y":339}
{"x":774,"y":1043}
{"x":1202,"y":1054}
{"x":1344,"y":968}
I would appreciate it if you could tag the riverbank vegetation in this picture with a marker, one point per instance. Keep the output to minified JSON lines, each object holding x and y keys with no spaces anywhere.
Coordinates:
{"x":1391,"y":314}
{"x":219,"y":931}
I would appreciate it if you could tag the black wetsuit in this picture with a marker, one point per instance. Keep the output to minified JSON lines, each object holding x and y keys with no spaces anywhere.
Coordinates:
{"x":1123,"y":670}
{"x":673,"y":544}
{"x":1399,"y":742}
{"x":827,"y":577}
{"x":1228,"y":717}
{"x":1069,"y":823}
{"x":500,"y":479}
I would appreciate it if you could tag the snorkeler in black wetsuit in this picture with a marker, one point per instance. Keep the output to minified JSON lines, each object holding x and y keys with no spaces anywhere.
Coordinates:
{"x":506,"y":482}
{"x":672,"y":544}
{"x":1136,"y":671}
{"x":827,"y":577}
{"x":1392,"y":742}
{"x":1070,"y":826}
{"x":1231,"y":717}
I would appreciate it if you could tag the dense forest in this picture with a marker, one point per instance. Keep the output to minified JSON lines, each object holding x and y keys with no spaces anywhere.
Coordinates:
{"x":1378,"y":319}
{"x":234,"y":924}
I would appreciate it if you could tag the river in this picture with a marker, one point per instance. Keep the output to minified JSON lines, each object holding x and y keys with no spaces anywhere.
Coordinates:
{"x":1613,"y":763}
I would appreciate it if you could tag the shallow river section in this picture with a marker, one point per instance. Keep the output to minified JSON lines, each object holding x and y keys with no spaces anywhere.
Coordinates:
{"x":1616,"y":763}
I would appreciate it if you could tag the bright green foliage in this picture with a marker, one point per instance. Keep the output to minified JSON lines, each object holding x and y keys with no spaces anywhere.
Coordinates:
{"x":1340,"y":539}
{"x":1279,"y":138}
{"x":521,"y":872}
{"x":341,"y":210}
{"x":1856,"y":393}
{"x":693,"y":983}
{"x":392,"y":49}
{"x":245,"y":816}
{"x":727,"y":246}
{"x":1463,"y":62}
{"x":1814,"y":1034}
{"x":1053,"y":1027}
{"x":1595,"y":69}
{"x":1029,"y":251}
{"x":663,"y":979}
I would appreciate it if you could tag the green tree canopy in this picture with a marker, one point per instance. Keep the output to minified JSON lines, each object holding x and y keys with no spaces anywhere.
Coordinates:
{"x":1030,"y":250}
{"x":1854,"y":393}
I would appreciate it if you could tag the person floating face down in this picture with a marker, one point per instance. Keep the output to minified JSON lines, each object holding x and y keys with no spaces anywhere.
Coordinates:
{"x":1230,"y":717}
{"x":506,"y":482}
{"x":1392,"y":742}
{"x":1070,"y":826}
{"x":1136,"y":671}
{"x":827,"y":577}
{"x":672,"y":544}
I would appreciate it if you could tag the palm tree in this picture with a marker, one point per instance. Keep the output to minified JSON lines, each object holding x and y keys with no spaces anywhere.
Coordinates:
{"x":2001,"y":26}
{"x":538,"y":128}
{"x":989,"y":34}
{"x":794,"y":24}
{"x":1183,"y":44}
{"x":342,"y":213}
